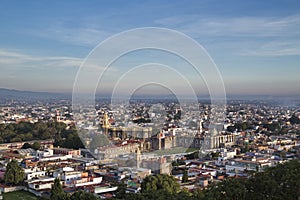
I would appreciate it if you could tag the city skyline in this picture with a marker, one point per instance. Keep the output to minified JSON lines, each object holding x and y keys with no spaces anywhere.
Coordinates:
{"x":256,"y":45}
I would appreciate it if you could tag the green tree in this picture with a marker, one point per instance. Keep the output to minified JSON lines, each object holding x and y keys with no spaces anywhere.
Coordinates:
{"x":261,"y":187}
{"x":158,"y":195}
{"x":215,"y":154}
{"x":185,"y":176}
{"x":2,"y":128}
{"x":72,"y":140}
{"x":198,"y":194}
{"x":184,"y":194}
{"x":231,"y":128}
{"x":295,"y":119}
{"x":36,"y":145}
{"x":231,"y":189}
{"x":14,"y":173}
{"x":280,"y":182}
{"x":28,"y":136}
{"x":82,"y":195}
{"x":160,"y":182}
{"x":24,"y":127}
{"x":16,"y":139}
{"x":57,"y":192}
{"x":175,"y":163}
{"x":193,"y":155}
{"x":56,"y":129}
{"x":26,"y":145}
{"x":121,"y":191}
{"x":241,"y":126}
{"x":133,"y":196}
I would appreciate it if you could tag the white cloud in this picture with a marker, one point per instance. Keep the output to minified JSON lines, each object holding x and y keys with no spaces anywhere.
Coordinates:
{"x":44,"y":73}
{"x":288,"y":48}
{"x":249,"y":36}
{"x":237,"y":26}
{"x":17,"y":60}
{"x":88,"y":32}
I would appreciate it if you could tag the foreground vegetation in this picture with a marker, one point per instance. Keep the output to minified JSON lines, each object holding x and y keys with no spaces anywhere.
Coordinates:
{"x":19,"y":195}
{"x":26,"y":131}
{"x":280,"y":182}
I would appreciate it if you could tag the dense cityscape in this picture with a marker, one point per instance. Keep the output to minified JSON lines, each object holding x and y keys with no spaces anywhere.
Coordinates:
{"x":112,"y":153}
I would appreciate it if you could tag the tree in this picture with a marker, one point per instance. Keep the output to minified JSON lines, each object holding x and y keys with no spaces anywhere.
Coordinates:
{"x":161,"y":182}
{"x":72,"y":140}
{"x":198,"y":194}
{"x":28,"y":136}
{"x":231,"y":128}
{"x":175,"y":163}
{"x":241,"y":126}
{"x":295,"y":119}
{"x":193,"y":155}
{"x":184,"y":194}
{"x":228,"y":189}
{"x":26,"y":131}
{"x":185,"y":176}
{"x":57,"y":192}
{"x":26,"y":145}
{"x":14,"y":173}
{"x":121,"y":191}
{"x":82,"y":195}
{"x":16,"y":139}
{"x":280,"y":182}
{"x":215,"y":154}
{"x":36,"y":145}
{"x":24,"y":127}
{"x":2,"y":128}
{"x":158,"y":195}
{"x":133,"y":196}
{"x":56,"y":129}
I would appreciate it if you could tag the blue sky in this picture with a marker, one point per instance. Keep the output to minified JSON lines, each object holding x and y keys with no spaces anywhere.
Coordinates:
{"x":255,"y":44}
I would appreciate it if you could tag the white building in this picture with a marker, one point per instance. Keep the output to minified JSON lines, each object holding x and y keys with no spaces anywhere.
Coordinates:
{"x":35,"y":175}
{"x":41,"y":183}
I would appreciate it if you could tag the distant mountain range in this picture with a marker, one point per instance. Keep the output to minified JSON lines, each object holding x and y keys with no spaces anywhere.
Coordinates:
{"x":6,"y":94}
{"x":18,"y":94}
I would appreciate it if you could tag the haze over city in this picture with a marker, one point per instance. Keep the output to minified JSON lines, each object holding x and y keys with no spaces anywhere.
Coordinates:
{"x":254,"y":44}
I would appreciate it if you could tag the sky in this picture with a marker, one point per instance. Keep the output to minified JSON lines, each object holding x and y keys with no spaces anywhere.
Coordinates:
{"x":254,"y":44}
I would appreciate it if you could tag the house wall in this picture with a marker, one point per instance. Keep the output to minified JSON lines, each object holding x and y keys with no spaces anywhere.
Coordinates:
{"x":35,"y":174}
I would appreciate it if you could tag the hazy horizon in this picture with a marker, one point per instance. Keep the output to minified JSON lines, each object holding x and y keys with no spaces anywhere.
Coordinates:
{"x":159,"y":95}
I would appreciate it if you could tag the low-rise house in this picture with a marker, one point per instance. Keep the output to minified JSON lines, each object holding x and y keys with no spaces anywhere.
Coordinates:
{"x":204,"y":179}
{"x":241,"y":166}
{"x":42,"y":183}
{"x":105,"y":189}
{"x":35,"y":175}
{"x":65,"y":151}
{"x":27,"y":153}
